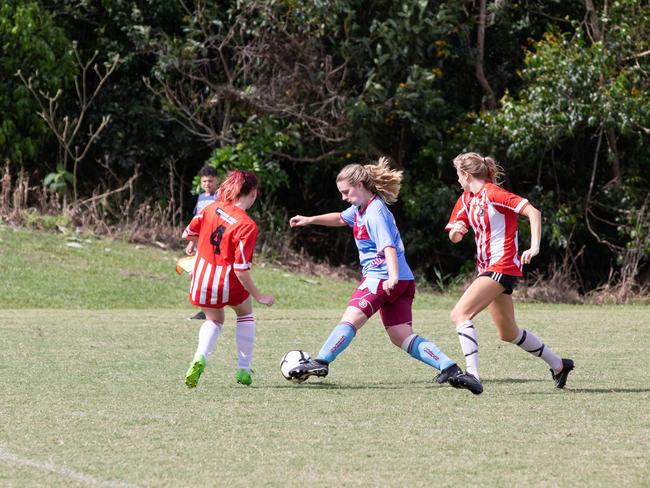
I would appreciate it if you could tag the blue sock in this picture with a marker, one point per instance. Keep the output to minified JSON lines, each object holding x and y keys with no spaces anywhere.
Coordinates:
{"x":338,"y":340}
{"x":426,"y":351}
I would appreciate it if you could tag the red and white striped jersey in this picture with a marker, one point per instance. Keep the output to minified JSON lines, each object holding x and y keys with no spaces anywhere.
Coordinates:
{"x":492,"y":214}
{"x":226,"y":243}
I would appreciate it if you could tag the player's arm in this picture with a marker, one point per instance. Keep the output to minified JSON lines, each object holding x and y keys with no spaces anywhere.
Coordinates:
{"x":535,"y":217}
{"x":329,"y":219}
{"x":457,"y":231}
{"x":390,"y":253}
{"x":189,"y":249}
{"x":245,"y":278}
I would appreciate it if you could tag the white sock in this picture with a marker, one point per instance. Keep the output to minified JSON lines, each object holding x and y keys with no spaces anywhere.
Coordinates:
{"x":529,"y":342}
{"x":245,"y":341}
{"x":208,"y":334}
{"x":469,"y":345}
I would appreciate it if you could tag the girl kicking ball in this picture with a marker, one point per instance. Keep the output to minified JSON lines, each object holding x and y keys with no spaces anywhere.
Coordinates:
{"x":388,"y":285}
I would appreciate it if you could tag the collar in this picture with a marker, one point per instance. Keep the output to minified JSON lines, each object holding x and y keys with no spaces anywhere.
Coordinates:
{"x":363,"y":209}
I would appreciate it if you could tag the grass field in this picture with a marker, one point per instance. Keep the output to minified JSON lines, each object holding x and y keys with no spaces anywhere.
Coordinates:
{"x":94,"y":395}
{"x":43,"y":270}
{"x":97,"y":398}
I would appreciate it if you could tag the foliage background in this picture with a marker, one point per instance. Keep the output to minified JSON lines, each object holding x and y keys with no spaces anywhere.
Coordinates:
{"x":295,"y":90}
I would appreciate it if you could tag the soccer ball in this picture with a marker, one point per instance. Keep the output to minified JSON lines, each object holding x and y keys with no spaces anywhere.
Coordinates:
{"x":292,"y":359}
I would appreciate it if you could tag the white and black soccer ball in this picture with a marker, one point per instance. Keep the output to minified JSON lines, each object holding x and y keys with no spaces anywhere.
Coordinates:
{"x":291,"y":360}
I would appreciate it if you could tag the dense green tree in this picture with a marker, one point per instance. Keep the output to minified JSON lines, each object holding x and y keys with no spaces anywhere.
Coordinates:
{"x":557,"y":91}
{"x":30,"y":41}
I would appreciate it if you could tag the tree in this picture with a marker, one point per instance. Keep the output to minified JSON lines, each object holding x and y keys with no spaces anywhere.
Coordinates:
{"x":29,"y":41}
{"x":585,"y":101}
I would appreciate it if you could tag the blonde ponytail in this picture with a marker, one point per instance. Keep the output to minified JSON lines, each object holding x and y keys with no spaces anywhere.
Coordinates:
{"x":377,"y":178}
{"x":485,"y":168}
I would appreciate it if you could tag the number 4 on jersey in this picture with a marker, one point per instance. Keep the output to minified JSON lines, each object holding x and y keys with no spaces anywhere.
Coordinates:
{"x":215,"y":238}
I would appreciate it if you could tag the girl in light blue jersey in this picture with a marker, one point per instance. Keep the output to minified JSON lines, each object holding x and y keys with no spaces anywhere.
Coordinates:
{"x":388,"y":285}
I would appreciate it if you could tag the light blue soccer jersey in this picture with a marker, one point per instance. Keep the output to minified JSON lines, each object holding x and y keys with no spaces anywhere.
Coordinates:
{"x":204,"y":200}
{"x":374,"y":230}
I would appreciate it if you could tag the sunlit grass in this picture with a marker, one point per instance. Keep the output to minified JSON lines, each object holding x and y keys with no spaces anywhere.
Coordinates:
{"x":101,"y":393}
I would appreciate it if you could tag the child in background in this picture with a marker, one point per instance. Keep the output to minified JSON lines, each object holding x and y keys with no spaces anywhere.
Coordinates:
{"x":209,"y":184}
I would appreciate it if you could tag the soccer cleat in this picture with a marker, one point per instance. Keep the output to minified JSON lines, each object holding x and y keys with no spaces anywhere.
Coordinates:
{"x":194,"y":372}
{"x":447,"y":373}
{"x":560,"y":378}
{"x":244,"y":377}
{"x":307,"y":368}
{"x":198,"y":316}
{"x":467,"y":381}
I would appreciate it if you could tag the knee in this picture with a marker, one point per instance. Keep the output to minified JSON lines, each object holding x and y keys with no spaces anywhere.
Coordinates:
{"x":458,"y":316}
{"x":508,"y":335}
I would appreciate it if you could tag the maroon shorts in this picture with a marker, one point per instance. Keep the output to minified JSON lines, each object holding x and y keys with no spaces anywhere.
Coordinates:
{"x":394,"y":309}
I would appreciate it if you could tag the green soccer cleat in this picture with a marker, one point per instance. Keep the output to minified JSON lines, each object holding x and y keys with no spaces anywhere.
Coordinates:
{"x":244,"y":377}
{"x":194,"y":372}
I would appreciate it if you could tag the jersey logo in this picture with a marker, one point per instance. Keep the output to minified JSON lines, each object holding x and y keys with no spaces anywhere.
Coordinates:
{"x":481,"y":208}
{"x":226,"y":216}
{"x":360,"y":232}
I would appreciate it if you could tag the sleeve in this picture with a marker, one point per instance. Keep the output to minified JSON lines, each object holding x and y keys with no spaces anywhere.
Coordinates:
{"x":245,"y":246}
{"x":382,"y":228}
{"x":347,"y":215}
{"x":504,"y":199}
{"x":458,"y":213}
{"x":194,"y":227}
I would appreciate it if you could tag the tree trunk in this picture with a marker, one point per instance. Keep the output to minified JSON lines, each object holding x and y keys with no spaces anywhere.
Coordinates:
{"x":490,"y":101}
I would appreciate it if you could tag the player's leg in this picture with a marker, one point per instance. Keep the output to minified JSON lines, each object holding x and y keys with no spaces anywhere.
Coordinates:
{"x":476,"y":298}
{"x":208,"y":334}
{"x":245,"y":335}
{"x":397,"y":317}
{"x":341,"y":336}
{"x":423,"y":350}
{"x":338,"y":340}
{"x":362,"y":305}
{"x":503,"y":315}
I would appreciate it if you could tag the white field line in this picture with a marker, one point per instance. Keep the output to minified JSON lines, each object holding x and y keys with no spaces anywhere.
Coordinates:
{"x":60,"y":470}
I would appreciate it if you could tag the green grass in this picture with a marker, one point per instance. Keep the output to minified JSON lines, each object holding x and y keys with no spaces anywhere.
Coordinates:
{"x":101,"y":394}
{"x":41,"y":270}
{"x":94,"y":395}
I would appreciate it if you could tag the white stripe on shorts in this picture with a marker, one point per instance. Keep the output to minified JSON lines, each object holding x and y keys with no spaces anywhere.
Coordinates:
{"x":196,"y":277}
{"x":226,"y":286}
{"x":215,"y":285}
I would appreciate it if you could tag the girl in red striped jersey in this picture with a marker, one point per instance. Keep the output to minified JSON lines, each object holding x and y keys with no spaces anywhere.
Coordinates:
{"x":492,"y":213}
{"x":225,"y":237}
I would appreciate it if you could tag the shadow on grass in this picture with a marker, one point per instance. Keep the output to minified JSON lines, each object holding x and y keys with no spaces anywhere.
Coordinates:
{"x":596,"y":390}
{"x":424,"y":384}
{"x":514,"y":380}
{"x":363,"y":386}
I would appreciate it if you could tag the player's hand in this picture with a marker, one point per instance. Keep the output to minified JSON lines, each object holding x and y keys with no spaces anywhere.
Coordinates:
{"x":459,"y":228}
{"x":267,"y":300}
{"x":529,"y":254}
{"x":189,"y":249}
{"x":299,"y":221}
{"x":389,"y":284}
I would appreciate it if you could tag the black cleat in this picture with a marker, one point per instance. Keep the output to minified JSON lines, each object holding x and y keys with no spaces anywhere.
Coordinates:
{"x":560,"y":378}
{"x":467,"y":381}
{"x":311,"y":367}
{"x":199,"y":316}
{"x":448,"y":372}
